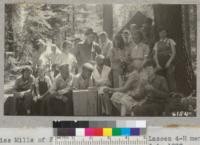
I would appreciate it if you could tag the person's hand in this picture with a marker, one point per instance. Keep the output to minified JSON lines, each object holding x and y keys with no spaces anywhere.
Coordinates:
{"x":63,"y":91}
{"x":35,"y":98}
{"x":39,"y":97}
{"x":107,"y":90}
{"x":167,"y":65}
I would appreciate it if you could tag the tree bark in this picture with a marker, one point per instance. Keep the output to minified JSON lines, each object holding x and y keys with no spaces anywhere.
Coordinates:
{"x":171,"y":18}
{"x":108,"y":19}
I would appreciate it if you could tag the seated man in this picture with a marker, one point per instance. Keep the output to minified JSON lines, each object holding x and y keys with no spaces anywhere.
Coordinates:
{"x":156,"y":91}
{"x":23,"y":92}
{"x":102,"y":79}
{"x":60,"y":101}
{"x":84,"y":79}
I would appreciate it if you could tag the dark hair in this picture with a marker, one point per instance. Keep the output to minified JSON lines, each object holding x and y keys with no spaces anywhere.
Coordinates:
{"x":89,"y":31}
{"x":118,"y":42}
{"x":103,"y":34}
{"x":149,"y":63}
{"x":65,"y":43}
{"x":26,"y":68}
{"x":162,"y":29}
{"x":148,"y":21}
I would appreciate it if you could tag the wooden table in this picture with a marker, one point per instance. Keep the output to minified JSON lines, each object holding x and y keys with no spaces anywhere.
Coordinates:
{"x":85,"y":102}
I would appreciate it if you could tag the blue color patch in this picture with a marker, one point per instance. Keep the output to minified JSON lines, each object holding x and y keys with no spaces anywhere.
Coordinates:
{"x":125,"y":131}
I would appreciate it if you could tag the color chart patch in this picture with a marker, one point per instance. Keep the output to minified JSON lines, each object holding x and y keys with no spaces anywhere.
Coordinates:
{"x":99,"y":128}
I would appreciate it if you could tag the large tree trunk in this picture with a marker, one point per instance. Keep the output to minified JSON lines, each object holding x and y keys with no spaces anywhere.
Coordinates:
{"x":173,"y":18}
{"x":108,"y":19}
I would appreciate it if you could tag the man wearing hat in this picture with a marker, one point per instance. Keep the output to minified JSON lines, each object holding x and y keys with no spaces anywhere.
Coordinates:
{"x":60,"y":102}
{"x":84,"y":79}
{"x":87,"y":50}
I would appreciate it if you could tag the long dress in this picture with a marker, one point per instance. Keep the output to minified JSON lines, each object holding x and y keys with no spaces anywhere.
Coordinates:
{"x":101,"y":81}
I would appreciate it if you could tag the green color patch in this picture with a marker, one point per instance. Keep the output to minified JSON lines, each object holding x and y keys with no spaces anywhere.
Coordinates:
{"x":116,"y":132}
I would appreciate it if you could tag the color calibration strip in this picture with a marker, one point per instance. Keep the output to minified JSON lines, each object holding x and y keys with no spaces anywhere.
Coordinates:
{"x":99,"y":132}
{"x":99,"y":128}
{"x":100,"y":124}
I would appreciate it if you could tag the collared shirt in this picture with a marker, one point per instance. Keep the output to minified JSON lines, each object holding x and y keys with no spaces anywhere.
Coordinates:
{"x":118,"y":55}
{"x":24,"y":85}
{"x":80,"y":83}
{"x":169,"y":42}
{"x":106,"y":48}
{"x":139,"y":53}
{"x":87,"y":52}
{"x":103,"y":78}
{"x":53,"y":58}
{"x":160,"y":91}
{"x":68,"y":59}
{"x":60,"y":83}
{"x":46,"y":79}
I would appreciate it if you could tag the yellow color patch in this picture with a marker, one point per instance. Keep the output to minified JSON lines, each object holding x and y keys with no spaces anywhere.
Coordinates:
{"x":107,"y":131}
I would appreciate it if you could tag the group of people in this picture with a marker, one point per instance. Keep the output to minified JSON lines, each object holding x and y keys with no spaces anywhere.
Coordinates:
{"x":132,"y":74}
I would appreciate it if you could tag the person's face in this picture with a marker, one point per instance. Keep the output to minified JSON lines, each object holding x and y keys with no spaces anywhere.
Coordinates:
{"x":64,"y":71}
{"x":102,"y":38}
{"x":53,"y":49}
{"x":90,"y":38}
{"x":163,"y":34}
{"x":41,"y":72}
{"x":136,"y":38}
{"x":27,"y":74}
{"x":125,"y":36}
{"x":100,"y":62}
{"x":66,"y":48}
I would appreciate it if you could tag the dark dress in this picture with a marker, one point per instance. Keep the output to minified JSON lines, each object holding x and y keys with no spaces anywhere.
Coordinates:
{"x":40,"y":107}
{"x":164,"y":53}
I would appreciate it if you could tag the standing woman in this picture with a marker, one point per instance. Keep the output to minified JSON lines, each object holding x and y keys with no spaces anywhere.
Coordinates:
{"x":139,"y":52}
{"x":106,"y":46}
{"x":117,"y":53}
{"x":164,"y":56}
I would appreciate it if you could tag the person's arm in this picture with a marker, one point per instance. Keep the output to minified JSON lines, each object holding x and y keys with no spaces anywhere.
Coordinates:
{"x":77,"y":52}
{"x":37,"y":87}
{"x":98,"y":49}
{"x":146,"y":52}
{"x":109,"y":47}
{"x":49,"y":83}
{"x":53,"y":89}
{"x":68,"y":87}
{"x":173,"y":49}
{"x":127,"y":86}
{"x":156,"y":56}
{"x":75,"y":83}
